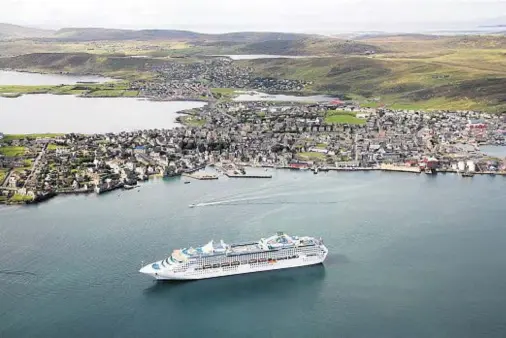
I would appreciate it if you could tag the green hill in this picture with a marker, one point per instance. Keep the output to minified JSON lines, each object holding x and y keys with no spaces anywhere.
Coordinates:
{"x":81,"y":63}
{"x":98,"y":34}
{"x":8,"y":31}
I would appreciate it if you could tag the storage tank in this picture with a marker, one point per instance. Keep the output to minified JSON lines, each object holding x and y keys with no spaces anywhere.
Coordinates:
{"x":461,"y":166}
{"x":471,"y":167}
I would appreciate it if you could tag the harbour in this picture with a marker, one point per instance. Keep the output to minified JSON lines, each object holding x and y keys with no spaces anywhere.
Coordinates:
{"x":387,"y":265}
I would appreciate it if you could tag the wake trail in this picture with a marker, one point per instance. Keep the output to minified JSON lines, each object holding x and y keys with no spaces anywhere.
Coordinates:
{"x":257,"y":201}
{"x":17,"y":273}
{"x":277,"y":203}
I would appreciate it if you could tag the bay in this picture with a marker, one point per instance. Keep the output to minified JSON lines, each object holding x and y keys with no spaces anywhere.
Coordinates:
{"x":410,"y":256}
{"x":45,"y":113}
{"x":12,"y":78}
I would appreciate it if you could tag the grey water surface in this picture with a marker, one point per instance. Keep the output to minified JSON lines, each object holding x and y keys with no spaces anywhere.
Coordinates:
{"x":410,"y":256}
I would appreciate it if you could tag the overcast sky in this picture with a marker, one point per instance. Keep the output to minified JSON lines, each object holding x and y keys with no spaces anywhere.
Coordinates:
{"x":315,"y":16}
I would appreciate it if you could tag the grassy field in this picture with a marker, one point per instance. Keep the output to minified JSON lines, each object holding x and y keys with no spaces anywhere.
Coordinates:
{"x":3,"y":174}
{"x":9,"y":151}
{"x":52,"y":146}
{"x":17,"y":198}
{"x":106,"y":93}
{"x":25,"y":89}
{"x":113,"y":89}
{"x":11,"y":137}
{"x":342,"y":117}
{"x":193,"y":121}
{"x":224,"y":93}
{"x":311,"y":156}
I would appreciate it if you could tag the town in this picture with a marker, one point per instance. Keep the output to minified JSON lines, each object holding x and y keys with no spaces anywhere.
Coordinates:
{"x":196,"y":81}
{"x":237,"y":135}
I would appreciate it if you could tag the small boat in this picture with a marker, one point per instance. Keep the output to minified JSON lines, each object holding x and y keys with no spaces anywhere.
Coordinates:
{"x":192,"y":205}
{"x":467,"y":174}
{"x":187,"y":182}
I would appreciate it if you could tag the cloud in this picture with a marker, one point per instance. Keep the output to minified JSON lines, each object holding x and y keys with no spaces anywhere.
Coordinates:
{"x":219,"y":15}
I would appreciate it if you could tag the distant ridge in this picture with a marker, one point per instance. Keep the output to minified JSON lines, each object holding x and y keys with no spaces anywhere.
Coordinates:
{"x":97,"y":34}
{"x":8,"y":31}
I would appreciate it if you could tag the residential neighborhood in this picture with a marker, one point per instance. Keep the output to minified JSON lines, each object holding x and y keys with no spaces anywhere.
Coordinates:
{"x":270,"y":134}
{"x":195,"y":80}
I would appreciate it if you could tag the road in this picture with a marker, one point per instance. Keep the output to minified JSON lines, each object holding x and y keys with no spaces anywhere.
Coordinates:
{"x":6,"y":180}
{"x":35,"y":164}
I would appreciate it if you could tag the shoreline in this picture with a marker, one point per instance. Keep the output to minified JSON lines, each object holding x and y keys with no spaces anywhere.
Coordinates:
{"x":153,"y":178}
{"x":48,"y":72}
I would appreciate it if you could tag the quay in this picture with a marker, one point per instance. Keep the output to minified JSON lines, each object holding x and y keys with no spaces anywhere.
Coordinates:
{"x":199,"y":175}
{"x":398,"y":168}
{"x":234,"y":175}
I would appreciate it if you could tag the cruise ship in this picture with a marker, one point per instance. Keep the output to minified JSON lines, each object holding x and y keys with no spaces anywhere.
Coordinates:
{"x":280,"y":251}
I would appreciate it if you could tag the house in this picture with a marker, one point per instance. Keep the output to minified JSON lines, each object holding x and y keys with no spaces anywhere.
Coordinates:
{"x":363,"y":115}
{"x":140,"y":150}
{"x":347,"y":164}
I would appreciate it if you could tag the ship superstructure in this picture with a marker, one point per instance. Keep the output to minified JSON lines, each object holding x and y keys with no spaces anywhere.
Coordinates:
{"x":221,"y":259}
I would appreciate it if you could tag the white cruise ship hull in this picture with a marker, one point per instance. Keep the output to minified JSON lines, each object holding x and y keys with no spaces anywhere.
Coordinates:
{"x":166,"y":274}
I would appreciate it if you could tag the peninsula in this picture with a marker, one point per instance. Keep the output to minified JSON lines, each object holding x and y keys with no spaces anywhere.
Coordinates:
{"x":411,"y":103}
{"x":324,"y":136}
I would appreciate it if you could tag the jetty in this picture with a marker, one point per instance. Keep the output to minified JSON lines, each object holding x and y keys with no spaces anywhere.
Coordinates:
{"x":236,"y":175}
{"x":200,"y":175}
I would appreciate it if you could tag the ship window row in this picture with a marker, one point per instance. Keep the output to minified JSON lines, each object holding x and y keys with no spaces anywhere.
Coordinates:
{"x":253,"y":258}
{"x":243,"y":262}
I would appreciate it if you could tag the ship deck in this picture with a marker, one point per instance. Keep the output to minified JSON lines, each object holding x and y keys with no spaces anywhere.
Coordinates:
{"x":244,"y":248}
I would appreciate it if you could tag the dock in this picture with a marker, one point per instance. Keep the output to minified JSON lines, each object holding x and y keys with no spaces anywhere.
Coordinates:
{"x":200,"y":175}
{"x":234,"y":175}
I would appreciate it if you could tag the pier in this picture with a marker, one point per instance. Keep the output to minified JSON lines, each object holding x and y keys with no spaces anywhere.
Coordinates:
{"x":200,"y":175}
{"x":234,"y":175}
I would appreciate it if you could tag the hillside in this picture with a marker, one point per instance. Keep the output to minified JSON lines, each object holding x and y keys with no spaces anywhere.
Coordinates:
{"x":8,"y":31}
{"x":398,"y":82}
{"x":101,"y":34}
{"x":448,"y":72}
{"x":418,"y":43}
{"x":80,"y":63}
{"x":309,"y":46}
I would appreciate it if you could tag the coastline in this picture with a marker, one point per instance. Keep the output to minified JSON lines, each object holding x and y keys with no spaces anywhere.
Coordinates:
{"x":156,"y":177}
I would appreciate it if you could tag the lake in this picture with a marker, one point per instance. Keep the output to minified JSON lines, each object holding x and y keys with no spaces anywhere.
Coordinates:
{"x":257,"y":96}
{"x":410,"y":256}
{"x":34,"y":79}
{"x":45,"y":113}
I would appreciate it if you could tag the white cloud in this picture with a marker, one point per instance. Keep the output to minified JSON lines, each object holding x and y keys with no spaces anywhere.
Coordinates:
{"x":219,"y":15}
